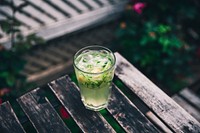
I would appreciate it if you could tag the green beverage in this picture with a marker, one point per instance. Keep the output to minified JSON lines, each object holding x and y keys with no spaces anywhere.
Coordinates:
{"x":94,"y":68}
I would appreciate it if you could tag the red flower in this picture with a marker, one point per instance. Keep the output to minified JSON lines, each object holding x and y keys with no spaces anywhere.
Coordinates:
{"x":64,"y":113}
{"x":139,"y":6}
{"x":1,"y":101}
{"x":4,"y":91}
{"x":198,"y":52}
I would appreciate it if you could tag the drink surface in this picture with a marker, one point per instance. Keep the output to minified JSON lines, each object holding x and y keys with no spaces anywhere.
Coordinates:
{"x":94,"y":74}
{"x":93,"y":61}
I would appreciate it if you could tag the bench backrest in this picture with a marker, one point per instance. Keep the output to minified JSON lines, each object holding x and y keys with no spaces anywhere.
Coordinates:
{"x":50,"y":19}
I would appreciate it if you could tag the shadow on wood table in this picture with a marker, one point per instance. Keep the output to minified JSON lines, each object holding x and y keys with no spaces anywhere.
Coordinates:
{"x":44,"y":118}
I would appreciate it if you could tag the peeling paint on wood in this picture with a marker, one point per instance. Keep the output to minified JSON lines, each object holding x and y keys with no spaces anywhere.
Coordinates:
{"x":8,"y":120}
{"x":161,"y":104}
{"x":88,"y":121}
{"x":41,"y":113}
{"x":128,"y":115}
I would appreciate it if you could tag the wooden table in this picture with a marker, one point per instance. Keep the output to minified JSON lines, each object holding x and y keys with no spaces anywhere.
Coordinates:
{"x":44,"y":118}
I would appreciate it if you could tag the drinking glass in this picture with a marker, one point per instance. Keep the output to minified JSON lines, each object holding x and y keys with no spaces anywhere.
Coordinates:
{"x":94,"y":68}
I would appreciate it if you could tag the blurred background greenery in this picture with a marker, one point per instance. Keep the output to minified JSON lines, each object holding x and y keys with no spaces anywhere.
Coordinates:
{"x":12,"y":82}
{"x":161,"y":38}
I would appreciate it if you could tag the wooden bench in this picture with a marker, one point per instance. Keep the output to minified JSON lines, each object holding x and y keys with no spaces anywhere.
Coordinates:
{"x":44,"y":118}
{"x":51,"y":19}
{"x":87,"y":22}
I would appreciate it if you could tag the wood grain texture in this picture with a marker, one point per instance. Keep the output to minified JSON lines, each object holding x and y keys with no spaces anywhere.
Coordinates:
{"x":88,"y":121}
{"x":190,"y":109}
{"x":127,"y":114}
{"x":161,"y":104}
{"x":8,"y":120}
{"x":190,"y":97}
{"x":158,"y":122}
{"x":41,"y":113}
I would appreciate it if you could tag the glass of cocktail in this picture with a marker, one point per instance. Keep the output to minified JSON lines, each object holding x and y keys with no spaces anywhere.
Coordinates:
{"x":94,"y":67}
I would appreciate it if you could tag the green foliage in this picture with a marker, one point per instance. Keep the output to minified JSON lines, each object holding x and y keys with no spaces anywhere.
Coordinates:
{"x":11,"y":62}
{"x":153,"y":41}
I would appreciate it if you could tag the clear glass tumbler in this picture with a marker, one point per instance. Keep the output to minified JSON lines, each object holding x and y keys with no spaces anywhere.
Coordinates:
{"x":94,"y":67}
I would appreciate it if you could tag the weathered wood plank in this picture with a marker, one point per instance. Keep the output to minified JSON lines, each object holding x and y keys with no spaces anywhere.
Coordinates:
{"x":59,"y":51}
{"x":65,"y":7}
{"x":34,"y":12}
{"x":41,"y":113}
{"x":73,"y":6}
{"x":99,"y":3}
{"x":105,"y":2}
{"x":191,"y":97}
{"x":57,"y":8}
{"x":31,"y":68}
{"x":127,"y":114}
{"x":80,"y":21}
{"x":36,"y":60}
{"x":47,"y":55}
{"x":27,"y":20}
{"x":52,"y":72}
{"x":41,"y":10}
{"x":194,"y":112}
{"x":20,"y":17}
{"x":8,"y":120}
{"x":88,"y":121}
{"x":8,"y":15}
{"x":70,"y":47}
{"x":86,"y":4}
{"x":80,"y":5}
{"x":158,"y":122}
{"x":161,"y":104}
{"x":93,"y":4}
{"x":47,"y":8}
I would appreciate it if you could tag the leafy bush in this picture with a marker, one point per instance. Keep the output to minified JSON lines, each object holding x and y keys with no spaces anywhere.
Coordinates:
{"x":152,"y":35}
{"x":10,"y":58}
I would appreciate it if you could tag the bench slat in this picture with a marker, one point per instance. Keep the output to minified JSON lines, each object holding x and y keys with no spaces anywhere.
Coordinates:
{"x":27,"y":20}
{"x":47,"y":8}
{"x":9,"y":16}
{"x":80,"y":6}
{"x":41,"y":10}
{"x":195,"y":113}
{"x":167,"y":109}
{"x":31,"y":68}
{"x":93,"y":4}
{"x":59,"y":51}
{"x":127,"y":114}
{"x":100,"y":3}
{"x":8,"y":120}
{"x":86,"y":4}
{"x":65,"y":7}
{"x":37,"y":60}
{"x":46,"y":55}
{"x":88,"y":121}
{"x":105,"y":2}
{"x":34,"y":12}
{"x":41,"y":113}
{"x":73,"y":6}
{"x":158,"y":122}
{"x":57,"y":8}
{"x":191,"y":97}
